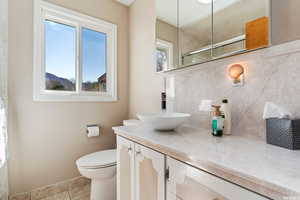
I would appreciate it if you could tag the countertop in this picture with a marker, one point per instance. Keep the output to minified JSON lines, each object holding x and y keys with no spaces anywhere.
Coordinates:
{"x":271,"y":171}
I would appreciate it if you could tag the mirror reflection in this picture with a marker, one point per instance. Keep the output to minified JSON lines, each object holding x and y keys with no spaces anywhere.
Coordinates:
{"x":196,"y":31}
{"x":167,"y":46}
{"x":233,"y":21}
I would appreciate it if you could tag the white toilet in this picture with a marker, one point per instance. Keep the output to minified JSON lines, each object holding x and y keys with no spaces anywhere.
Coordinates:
{"x":100,"y":167}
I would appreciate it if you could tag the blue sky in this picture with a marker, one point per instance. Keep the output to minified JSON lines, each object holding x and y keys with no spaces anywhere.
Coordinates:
{"x":60,"y":52}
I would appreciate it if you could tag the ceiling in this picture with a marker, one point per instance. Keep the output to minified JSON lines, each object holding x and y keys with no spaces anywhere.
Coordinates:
{"x":191,"y":11}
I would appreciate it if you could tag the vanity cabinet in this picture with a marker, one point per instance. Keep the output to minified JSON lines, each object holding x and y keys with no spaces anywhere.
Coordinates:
{"x":188,"y":183}
{"x":125,"y":169}
{"x":140,"y":172}
{"x":145,"y":174}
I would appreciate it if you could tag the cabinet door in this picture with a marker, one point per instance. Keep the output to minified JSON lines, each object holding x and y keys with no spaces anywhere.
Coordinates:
{"x":150,"y":174}
{"x":125,"y":169}
{"x":188,"y":183}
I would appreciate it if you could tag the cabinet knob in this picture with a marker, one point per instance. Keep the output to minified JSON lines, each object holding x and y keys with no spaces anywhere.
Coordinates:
{"x":129,"y":149}
{"x":167,"y":174}
{"x":138,"y":152}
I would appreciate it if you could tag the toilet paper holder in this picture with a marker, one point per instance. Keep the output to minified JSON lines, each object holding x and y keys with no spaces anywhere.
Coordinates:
{"x":92,"y":125}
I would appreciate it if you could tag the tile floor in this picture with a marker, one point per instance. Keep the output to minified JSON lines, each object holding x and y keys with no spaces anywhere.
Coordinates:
{"x":74,"y":189}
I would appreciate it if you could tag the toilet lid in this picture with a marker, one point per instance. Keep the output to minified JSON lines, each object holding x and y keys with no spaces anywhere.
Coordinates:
{"x":98,"y":159}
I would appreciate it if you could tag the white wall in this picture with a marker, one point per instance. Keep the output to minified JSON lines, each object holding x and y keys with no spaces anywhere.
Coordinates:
{"x":47,"y":138}
{"x":145,"y":84}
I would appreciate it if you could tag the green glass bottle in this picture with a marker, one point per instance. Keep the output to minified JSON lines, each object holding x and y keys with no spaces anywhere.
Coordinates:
{"x":217,"y":122}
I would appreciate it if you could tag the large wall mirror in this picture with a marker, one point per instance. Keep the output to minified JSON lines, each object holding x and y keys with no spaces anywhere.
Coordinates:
{"x":190,"y":32}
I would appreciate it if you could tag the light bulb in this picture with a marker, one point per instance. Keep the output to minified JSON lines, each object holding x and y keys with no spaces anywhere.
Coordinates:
{"x":236,"y":73}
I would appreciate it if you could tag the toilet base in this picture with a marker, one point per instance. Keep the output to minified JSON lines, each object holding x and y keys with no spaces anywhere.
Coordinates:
{"x":103,"y":189}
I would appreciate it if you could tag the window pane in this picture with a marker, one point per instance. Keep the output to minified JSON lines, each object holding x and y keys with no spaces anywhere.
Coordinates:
{"x":161,"y":59}
{"x":60,"y":56}
{"x":93,"y":60}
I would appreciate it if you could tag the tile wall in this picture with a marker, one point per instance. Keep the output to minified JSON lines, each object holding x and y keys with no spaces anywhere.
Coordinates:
{"x":272,"y":74}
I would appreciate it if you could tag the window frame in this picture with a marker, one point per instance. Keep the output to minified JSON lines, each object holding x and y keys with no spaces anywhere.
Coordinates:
{"x":47,"y":11}
{"x":168,"y":46}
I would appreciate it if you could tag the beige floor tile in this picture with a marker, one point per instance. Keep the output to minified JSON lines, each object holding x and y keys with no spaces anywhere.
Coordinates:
{"x":79,"y":188}
{"x":23,"y":196}
{"x":78,"y":182}
{"x":49,"y":191}
{"x":80,"y":193}
{"x":58,"y":196}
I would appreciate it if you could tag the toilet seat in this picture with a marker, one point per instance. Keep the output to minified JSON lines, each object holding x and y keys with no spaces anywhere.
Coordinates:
{"x":100,"y":159}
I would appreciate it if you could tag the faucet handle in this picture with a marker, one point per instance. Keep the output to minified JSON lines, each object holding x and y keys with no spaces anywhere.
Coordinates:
{"x":163,"y":101}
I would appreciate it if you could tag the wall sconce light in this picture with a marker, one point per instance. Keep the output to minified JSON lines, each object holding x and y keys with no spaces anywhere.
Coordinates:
{"x":236,"y":73}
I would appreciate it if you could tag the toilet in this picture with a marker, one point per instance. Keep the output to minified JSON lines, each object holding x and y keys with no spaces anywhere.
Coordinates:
{"x":100,"y":167}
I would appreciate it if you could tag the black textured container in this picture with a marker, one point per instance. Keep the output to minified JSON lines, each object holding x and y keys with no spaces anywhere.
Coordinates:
{"x":284,"y":133}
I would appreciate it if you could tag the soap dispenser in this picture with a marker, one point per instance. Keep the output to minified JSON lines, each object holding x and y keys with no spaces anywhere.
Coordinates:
{"x":217,"y":122}
{"x":226,"y":112}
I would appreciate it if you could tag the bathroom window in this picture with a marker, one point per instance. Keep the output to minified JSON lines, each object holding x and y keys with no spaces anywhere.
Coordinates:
{"x":74,"y":56}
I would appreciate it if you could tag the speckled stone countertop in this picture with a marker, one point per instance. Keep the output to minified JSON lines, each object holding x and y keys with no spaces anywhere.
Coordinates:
{"x":268,"y":170}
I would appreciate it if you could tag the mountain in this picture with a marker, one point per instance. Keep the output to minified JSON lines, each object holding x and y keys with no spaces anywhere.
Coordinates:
{"x":54,"y":82}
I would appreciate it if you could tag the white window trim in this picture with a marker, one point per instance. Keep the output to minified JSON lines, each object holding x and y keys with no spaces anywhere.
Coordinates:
{"x":168,"y":46}
{"x":47,"y":10}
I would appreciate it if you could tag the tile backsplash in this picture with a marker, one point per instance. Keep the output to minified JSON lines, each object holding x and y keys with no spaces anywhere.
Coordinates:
{"x":272,"y":74}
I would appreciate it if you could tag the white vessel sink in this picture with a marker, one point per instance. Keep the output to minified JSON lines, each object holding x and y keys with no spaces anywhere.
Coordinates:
{"x":164,"y":121}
